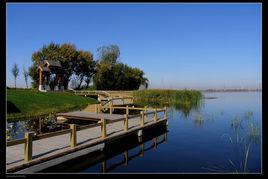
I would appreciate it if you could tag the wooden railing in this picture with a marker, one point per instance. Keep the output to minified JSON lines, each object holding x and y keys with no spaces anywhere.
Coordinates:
{"x":87,"y":92}
{"x":109,"y":97}
{"x":99,"y":107}
{"x":30,"y":137}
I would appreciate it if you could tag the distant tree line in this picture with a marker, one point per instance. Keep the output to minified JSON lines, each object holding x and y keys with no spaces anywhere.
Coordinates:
{"x":106,"y":72}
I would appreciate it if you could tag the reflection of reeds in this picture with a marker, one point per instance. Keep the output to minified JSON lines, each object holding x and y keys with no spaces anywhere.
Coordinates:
{"x":248,"y":114}
{"x":198,"y":119}
{"x":253,"y":133}
{"x":239,"y":167}
{"x":236,"y":122}
{"x":183,"y":100}
{"x":246,"y":132}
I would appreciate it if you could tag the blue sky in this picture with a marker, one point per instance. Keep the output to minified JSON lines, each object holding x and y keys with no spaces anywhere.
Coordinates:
{"x":176,"y":45}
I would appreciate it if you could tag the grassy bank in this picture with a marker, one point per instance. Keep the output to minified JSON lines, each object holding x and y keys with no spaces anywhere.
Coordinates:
{"x":180,"y":99}
{"x":25,"y":104}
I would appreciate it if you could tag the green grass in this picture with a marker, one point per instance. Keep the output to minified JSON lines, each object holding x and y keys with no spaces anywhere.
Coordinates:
{"x":25,"y":104}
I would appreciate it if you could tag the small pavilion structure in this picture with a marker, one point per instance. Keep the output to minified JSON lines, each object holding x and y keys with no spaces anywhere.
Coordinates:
{"x":51,"y":76}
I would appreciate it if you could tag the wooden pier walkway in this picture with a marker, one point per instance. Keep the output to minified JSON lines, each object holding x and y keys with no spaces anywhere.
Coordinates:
{"x":107,"y":98}
{"x":33,"y":150}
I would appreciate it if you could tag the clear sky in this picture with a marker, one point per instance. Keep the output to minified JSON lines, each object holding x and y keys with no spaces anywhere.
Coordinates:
{"x":176,"y":45}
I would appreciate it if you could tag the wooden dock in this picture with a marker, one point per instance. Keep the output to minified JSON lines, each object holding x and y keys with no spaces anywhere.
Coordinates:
{"x":90,"y":116}
{"x":40,"y":149}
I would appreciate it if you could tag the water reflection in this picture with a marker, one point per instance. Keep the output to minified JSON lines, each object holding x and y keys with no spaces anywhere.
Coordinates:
{"x":16,"y":129}
{"x":122,"y":147}
{"x":185,"y":107}
{"x":245,"y":133}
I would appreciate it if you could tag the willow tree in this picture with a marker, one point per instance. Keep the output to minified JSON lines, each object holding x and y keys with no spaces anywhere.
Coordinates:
{"x":114,"y":75}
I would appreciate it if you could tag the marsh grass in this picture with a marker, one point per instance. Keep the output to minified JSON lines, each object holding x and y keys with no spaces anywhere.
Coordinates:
{"x":183,"y":100}
{"x":236,"y":122}
{"x":246,"y":133}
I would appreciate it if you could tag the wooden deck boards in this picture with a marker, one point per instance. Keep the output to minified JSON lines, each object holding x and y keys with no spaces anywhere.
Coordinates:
{"x":86,"y":115}
{"x":49,"y":147}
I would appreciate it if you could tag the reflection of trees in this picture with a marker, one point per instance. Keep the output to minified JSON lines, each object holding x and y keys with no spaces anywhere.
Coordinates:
{"x":12,"y":130}
{"x":37,"y":125}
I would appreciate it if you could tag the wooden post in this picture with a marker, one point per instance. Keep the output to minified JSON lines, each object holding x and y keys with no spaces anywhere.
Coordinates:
{"x":165,"y":137}
{"x":73,"y":136}
{"x":40,"y":77}
{"x":165,"y":113}
{"x":126,"y":123}
{"x":111,"y":108}
{"x":142,"y":150}
{"x":155,"y":115}
{"x":145,"y":109}
{"x":99,"y":107}
{"x":103,"y":166}
{"x":40,"y":125}
{"x":155,"y":143}
{"x":140,"y":139}
{"x":126,"y":157}
{"x":28,"y":147}
{"x":96,"y":108}
{"x":103,"y":128}
{"x":127,"y":110}
{"x":142,"y":118}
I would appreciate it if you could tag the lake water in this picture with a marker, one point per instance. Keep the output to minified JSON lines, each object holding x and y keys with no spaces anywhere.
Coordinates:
{"x":223,"y":135}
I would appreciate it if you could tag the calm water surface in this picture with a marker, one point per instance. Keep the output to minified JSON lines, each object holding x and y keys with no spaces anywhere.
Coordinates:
{"x":223,"y":135}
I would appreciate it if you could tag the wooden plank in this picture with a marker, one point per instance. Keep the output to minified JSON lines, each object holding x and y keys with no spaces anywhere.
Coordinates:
{"x":51,"y":134}
{"x":85,"y":115}
{"x":79,"y":128}
{"x":16,"y":142}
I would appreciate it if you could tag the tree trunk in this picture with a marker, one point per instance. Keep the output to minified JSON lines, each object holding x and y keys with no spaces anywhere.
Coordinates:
{"x":15,"y":82}
{"x":87,"y":85}
{"x":26,"y":83}
{"x":81,"y":80}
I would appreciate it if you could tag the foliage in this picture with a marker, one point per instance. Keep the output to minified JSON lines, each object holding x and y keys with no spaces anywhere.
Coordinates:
{"x":15,"y":72}
{"x":84,"y":67}
{"x":107,"y":72}
{"x":114,"y":75}
{"x":72,"y":61}
{"x":109,"y":54}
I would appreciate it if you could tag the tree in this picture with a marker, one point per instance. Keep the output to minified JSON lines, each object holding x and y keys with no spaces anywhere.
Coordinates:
{"x":112,"y":75}
{"x":66,"y":54}
{"x":109,"y":53}
{"x":25,"y":74}
{"x":68,"y":57}
{"x":15,"y":72}
{"x":90,"y":72}
{"x":84,"y":67}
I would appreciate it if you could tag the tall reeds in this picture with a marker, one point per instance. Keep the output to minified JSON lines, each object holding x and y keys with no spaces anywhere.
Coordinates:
{"x":184,"y":100}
